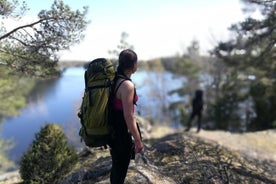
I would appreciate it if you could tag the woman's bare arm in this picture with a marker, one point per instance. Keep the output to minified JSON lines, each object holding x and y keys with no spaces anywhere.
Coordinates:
{"x":126,"y":94}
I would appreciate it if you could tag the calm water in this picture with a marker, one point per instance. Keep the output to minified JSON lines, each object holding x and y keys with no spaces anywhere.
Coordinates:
{"x":58,"y":100}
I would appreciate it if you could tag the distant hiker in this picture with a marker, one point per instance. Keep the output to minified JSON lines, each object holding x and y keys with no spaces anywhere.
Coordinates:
{"x":123,"y":121}
{"x":197,"y":105}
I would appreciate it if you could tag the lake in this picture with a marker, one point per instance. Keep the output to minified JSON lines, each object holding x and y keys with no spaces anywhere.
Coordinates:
{"x":58,"y":100}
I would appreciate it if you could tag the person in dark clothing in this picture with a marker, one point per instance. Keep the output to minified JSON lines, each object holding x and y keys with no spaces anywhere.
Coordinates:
{"x":123,"y":122}
{"x":197,"y":105}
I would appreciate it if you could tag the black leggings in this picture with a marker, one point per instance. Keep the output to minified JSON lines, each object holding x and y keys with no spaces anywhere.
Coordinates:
{"x":121,"y":146}
{"x":198,"y":114}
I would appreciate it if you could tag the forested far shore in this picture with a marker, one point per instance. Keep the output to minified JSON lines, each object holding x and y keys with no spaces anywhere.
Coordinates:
{"x":72,"y":63}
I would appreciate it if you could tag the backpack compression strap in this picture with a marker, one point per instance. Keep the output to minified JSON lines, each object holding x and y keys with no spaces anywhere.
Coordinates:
{"x":106,"y":85}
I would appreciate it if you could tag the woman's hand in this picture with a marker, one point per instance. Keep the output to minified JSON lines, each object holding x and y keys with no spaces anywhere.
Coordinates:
{"x":139,"y":146}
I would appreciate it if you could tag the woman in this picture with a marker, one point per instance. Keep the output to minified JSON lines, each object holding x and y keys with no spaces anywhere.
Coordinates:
{"x":124,"y":123}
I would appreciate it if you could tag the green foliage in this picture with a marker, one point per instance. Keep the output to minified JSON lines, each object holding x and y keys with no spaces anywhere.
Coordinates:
{"x":225,"y":109}
{"x":265,"y":105}
{"x":155,"y":65}
{"x":188,"y":65}
{"x":33,"y":47}
{"x":13,"y":92}
{"x":224,"y":112}
{"x":12,"y":8}
{"x":183,"y":116}
{"x":183,"y":65}
{"x":31,"y":64}
{"x":49,"y":158}
{"x":252,"y":54}
{"x":5,"y":146}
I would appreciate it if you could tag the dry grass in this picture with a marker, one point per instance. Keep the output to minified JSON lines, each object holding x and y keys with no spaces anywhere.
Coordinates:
{"x":259,"y":145}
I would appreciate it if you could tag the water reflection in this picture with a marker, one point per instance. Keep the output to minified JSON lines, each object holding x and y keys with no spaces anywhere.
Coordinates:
{"x":55,"y":101}
{"x":152,"y":89}
{"x":13,"y":94}
{"x":58,"y":100}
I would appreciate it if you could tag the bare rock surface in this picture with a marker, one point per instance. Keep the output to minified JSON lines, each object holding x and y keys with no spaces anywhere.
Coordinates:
{"x":175,"y":156}
{"x":181,"y":157}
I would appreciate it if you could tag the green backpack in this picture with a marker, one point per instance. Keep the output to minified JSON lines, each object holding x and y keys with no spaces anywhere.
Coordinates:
{"x":95,"y":129}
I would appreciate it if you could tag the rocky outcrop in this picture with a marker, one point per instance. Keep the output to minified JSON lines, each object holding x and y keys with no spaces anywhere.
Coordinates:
{"x":172,"y":157}
{"x":176,"y":158}
{"x":10,"y":178}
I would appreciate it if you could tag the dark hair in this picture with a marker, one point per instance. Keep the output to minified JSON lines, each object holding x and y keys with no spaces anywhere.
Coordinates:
{"x":199,"y":94}
{"x":127,"y":59}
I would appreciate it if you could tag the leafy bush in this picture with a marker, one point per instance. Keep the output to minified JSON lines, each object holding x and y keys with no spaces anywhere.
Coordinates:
{"x":49,"y":158}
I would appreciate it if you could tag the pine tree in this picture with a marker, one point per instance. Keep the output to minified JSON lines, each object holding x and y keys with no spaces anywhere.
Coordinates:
{"x":251,"y":65}
{"x":49,"y":158}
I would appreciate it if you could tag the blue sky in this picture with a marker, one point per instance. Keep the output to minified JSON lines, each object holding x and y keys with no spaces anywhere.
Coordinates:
{"x":156,"y":27}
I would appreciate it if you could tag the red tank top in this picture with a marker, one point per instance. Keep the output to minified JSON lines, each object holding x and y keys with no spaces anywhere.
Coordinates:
{"x":118,"y":105}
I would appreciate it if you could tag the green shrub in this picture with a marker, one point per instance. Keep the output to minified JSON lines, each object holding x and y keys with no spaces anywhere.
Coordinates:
{"x":49,"y":158}
{"x":183,"y":116}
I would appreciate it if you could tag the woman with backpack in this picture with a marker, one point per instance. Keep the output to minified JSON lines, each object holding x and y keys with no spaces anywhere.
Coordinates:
{"x":123,"y":122}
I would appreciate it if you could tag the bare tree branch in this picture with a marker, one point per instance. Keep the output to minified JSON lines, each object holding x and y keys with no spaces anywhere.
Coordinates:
{"x":21,"y":27}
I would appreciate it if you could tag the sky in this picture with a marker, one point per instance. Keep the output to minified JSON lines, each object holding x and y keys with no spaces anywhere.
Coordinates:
{"x":156,"y":28}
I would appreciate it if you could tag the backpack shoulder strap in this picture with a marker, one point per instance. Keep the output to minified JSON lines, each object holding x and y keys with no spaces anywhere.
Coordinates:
{"x":116,"y":89}
{"x":119,"y":76}
{"x":121,"y":82}
{"x":122,"y":77}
